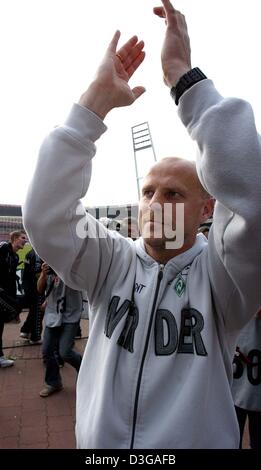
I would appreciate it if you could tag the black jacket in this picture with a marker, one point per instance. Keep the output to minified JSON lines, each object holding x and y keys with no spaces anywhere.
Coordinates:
{"x":31,"y":272}
{"x":8,"y":264}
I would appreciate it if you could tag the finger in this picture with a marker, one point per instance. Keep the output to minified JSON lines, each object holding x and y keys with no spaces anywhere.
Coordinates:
{"x":159,"y":11}
{"x":135,"y":64}
{"x":114,"y":42}
{"x":167,"y":11}
{"x":126,"y":49}
{"x":138,"y":91}
{"x":132,"y":55}
{"x":168,"y":7}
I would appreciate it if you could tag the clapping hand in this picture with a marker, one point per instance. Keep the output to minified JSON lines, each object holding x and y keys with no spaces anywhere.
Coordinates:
{"x":110,"y":88}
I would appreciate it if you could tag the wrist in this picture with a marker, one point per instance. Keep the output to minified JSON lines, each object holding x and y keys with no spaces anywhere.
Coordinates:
{"x":96,"y":99}
{"x":185,"y":82}
{"x":173,"y":76}
{"x":173,"y":72}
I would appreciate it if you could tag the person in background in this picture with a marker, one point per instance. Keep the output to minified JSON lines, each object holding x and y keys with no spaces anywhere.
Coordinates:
{"x":62,"y":316}
{"x":111,"y":224}
{"x":8,"y":264}
{"x":246,"y":387}
{"x":32,"y":326}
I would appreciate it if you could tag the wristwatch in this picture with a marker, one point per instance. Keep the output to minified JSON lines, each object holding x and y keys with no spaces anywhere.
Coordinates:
{"x":185,"y":82}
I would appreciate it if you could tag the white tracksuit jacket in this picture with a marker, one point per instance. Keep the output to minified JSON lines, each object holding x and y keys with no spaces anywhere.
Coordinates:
{"x":157,"y":375}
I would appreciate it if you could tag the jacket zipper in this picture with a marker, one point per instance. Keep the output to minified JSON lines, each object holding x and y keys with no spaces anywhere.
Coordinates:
{"x":160,"y":275}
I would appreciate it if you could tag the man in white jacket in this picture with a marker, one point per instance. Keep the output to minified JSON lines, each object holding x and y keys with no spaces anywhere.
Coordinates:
{"x":157,"y":369}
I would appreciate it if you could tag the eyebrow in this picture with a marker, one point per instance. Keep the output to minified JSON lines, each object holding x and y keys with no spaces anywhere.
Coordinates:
{"x":147,"y":186}
{"x":174,"y":188}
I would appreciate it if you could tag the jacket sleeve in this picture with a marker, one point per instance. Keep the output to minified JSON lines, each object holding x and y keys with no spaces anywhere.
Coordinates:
{"x":229,"y":167}
{"x":54,"y":217}
{"x":3,"y":263}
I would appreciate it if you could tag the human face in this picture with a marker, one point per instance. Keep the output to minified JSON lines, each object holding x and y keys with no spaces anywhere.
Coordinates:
{"x":170,"y":182}
{"x":20,"y":242}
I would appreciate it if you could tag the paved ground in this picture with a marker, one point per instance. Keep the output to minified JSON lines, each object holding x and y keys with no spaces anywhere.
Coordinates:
{"x":27,"y":420}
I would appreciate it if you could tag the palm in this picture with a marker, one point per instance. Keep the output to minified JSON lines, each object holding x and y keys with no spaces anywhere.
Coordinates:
{"x":116,"y":69}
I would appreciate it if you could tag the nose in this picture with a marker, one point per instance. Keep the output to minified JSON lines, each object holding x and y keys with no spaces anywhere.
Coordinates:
{"x":156,"y":200}
{"x":156,"y":207}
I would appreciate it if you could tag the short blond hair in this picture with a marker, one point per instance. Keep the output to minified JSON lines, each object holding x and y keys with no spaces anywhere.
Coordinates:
{"x":16,"y":234}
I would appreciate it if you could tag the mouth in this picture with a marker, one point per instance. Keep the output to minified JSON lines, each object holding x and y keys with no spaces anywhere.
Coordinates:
{"x":153,"y":221}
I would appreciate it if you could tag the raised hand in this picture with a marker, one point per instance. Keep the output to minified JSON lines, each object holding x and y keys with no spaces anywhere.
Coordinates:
{"x":175,"y":54}
{"x":45,"y":270}
{"x":110,"y":88}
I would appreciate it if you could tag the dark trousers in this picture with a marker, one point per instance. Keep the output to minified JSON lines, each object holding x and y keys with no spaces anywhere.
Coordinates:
{"x":59,"y":339}
{"x":254,"y":425}
{"x":34,"y":320}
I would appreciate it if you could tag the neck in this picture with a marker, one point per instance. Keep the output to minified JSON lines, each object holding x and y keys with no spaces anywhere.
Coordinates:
{"x":15,"y":248}
{"x":162,"y":255}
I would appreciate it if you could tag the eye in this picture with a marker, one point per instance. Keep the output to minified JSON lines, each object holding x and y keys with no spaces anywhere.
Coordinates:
{"x":148,"y":193}
{"x":173,"y":194}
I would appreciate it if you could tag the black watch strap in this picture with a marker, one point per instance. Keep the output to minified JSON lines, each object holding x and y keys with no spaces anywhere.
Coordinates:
{"x":185,"y":82}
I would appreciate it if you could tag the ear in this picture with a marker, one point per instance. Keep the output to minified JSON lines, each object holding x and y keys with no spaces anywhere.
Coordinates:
{"x":207,"y":209}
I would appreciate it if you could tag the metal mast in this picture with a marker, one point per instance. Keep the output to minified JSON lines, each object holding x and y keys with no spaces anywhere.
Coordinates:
{"x":141,"y":139}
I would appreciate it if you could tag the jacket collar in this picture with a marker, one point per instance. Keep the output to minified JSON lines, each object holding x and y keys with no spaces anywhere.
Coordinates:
{"x":177,"y":263}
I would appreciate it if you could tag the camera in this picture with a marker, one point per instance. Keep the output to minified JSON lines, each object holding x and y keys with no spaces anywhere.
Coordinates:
{"x":50,"y":270}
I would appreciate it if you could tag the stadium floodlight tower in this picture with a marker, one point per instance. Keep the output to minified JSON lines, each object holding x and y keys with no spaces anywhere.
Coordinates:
{"x":141,"y":138}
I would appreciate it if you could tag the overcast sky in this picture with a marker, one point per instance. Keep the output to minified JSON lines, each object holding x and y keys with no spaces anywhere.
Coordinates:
{"x":49,"y":53}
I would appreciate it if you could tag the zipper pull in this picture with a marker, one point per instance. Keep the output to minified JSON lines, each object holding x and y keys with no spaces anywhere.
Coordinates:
{"x":160,"y":275}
